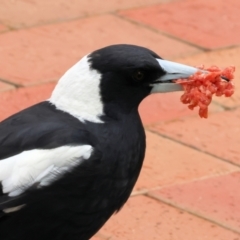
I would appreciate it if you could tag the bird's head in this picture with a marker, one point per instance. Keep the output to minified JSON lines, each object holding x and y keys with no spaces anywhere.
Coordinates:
{"x":115,"y":79}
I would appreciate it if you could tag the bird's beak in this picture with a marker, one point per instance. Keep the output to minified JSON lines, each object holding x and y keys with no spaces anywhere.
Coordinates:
{"x":173,"y":71}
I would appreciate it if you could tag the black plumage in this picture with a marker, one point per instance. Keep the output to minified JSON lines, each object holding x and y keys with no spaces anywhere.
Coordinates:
{"x":94,"y":190}
{"x":79,"y":201}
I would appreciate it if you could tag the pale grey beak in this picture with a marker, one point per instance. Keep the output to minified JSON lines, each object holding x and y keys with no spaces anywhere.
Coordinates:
{"x":173,"y":71}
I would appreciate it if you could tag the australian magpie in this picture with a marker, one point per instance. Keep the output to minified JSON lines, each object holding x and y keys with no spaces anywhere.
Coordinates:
{"x":68,"y":163}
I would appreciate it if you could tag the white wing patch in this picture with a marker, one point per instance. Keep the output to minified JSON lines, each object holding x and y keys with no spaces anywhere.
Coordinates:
{"x":40,"y":165}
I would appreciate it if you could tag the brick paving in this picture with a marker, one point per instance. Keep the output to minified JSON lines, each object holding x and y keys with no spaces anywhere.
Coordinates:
{"x":189,"y":185}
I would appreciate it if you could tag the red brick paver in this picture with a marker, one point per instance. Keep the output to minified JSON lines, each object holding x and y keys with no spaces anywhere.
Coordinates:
{"x":43,"y":54}
{"x":5,"y":86}
{"x":210,"y":24}
{"x":163,"y":166}
{"x":189,"y":184}
{"x":18,"y":99}
{"x":96,"y":238}
{"x":219,"y":135}
{"x":162,"y":107}
{"x":215,"y":198}
{"x":144,"y":218}
{"x":23,"y":13}
{"x":2,"y":27}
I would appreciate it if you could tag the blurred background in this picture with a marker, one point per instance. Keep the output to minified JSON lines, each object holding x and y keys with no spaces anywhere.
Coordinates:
{"x":189,"y":185}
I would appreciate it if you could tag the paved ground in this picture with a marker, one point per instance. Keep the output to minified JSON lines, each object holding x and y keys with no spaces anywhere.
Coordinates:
{"x":189,"y":186}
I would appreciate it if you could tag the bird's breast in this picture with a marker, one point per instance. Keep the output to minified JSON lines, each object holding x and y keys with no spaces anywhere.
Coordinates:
{"x":123,"y":147}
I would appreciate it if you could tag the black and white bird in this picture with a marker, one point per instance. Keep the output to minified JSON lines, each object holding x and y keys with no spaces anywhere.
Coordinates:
{"x":68,"y":163}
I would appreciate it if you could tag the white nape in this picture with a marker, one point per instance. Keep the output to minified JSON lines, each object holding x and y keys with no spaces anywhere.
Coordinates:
{"x":78,"y":92}
{"x":40,"y":166}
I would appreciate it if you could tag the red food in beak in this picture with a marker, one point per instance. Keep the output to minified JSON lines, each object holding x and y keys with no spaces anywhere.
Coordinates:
{"x":201,"y":86}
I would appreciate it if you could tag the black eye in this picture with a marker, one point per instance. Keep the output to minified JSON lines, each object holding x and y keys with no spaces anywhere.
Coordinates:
{"x":138,"y":76}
